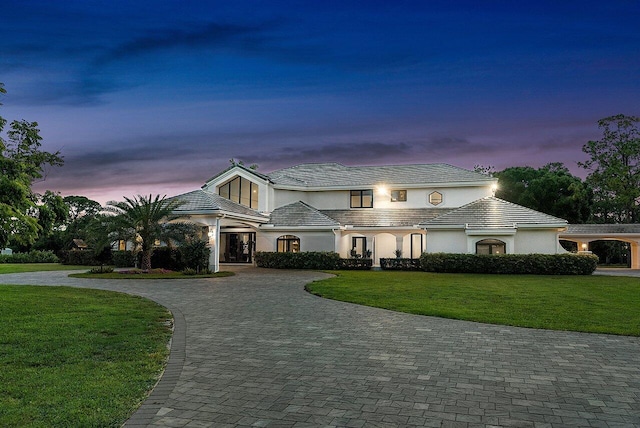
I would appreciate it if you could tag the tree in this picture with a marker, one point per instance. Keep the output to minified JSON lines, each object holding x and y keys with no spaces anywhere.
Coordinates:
{"x":21,"y":163}
{"x":140,"y":219}
{"x":80,"y":207}
{"x":550,"y":189}
{"x":615,"y":169}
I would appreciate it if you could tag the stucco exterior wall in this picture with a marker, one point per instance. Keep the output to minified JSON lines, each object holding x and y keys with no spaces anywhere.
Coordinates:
{"x":446,"y":241}
{"x":536,"y":241}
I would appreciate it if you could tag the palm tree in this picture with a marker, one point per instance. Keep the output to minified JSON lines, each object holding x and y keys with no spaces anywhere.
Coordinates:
{"x":140,"y":219}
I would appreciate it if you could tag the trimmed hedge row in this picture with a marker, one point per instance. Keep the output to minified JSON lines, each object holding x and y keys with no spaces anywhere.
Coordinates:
{"x":400,"y":264}
{"x":536,"y":264}
{"x":34,"y":256}
{"x":305,"y":260}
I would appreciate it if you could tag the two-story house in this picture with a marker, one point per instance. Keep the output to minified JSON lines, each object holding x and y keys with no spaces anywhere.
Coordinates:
{"x":364,"y":210}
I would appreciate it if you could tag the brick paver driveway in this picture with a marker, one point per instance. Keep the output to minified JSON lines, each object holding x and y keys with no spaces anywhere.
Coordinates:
{"x":257,"y":350}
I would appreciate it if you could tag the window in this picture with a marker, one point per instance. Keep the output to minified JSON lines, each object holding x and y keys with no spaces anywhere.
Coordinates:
{"x":288,"y":244}
{"x":435,"y":198}
{"x":398,"y":196}
{"x":241,"y":191}
{"x":358,"y":246}
{"x":491,"y":246}
{"x":362,"y":198}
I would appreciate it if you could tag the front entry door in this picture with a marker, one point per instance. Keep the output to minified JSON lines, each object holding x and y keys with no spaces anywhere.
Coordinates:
{"x":237,"y":247}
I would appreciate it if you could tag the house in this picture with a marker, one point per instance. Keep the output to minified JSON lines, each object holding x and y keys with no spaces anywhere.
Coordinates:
{"x":363,"y":210}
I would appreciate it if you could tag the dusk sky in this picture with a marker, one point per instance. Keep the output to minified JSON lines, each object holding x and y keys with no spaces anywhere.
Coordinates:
{"x":156,"y":96}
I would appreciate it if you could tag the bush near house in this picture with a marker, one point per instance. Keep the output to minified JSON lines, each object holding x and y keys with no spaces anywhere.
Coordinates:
{"x":34,"y":256}
{"x":536,"y":264}
{"x":400,"y":264}
{"x":123,"y":258}
{"x":321,"y":260}
{"x":305,"y":260}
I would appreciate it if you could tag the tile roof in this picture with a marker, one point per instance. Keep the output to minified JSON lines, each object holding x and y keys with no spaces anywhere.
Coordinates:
{"x":491,"y":212}
{"x":200,"y":201}
{"x":384,"y":217}
{"x":338,"y":175}
{"x":300,"y":214}
{"x":601,"y":229}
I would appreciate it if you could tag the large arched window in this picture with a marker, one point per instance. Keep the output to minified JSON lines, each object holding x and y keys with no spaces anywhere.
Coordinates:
{"x":288,"y":244}
{"x":491,"y":246}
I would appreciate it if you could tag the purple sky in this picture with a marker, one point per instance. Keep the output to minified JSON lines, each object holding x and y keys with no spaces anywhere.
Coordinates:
{"x":157,"y":96}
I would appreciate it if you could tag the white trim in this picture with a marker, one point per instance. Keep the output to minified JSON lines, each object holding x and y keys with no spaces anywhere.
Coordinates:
{"x":357,"y":186}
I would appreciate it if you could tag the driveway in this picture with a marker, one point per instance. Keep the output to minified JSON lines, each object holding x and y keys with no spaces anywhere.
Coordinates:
{"x":257,"y":350}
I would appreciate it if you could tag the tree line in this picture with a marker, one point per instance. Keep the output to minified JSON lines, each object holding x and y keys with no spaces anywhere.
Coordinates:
{"x":28,"y":220}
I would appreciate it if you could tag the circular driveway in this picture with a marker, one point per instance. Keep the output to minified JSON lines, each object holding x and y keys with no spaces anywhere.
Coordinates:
{"x":257,"y":350}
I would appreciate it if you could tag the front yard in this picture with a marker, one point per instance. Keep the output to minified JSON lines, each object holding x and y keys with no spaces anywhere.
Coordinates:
{"x":596,"y":304}
{"x":75,"y":357}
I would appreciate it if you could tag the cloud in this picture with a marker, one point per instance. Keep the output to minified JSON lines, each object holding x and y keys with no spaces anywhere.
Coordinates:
{"x":212,"y":35}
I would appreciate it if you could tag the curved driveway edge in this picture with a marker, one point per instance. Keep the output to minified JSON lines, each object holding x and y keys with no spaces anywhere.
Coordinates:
{"x":260,"y":351}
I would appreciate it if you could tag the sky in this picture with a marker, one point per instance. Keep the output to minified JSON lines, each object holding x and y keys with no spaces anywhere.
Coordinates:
{"x":155,"y":97}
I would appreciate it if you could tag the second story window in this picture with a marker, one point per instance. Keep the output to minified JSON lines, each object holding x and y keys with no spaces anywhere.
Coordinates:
{"x":362,"y":198}
{"x":241,"y":191}
{"x":398,"y":196}
{"x":435,"y":198}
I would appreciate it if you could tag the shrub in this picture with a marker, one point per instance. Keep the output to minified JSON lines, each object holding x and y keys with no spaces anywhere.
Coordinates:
{"x":355,"y":264}
{"x":34,"y":256}
{"x":195,"y":255}
{"x":166,"y":257}
{"x":536,"y":264}
{"x":189,"y":271}
{"x":101,"y":269}
{"x":304,"y":260}
{"x":400,"y":264}
{"x":79,"y":257}
{"x":123,"y":258}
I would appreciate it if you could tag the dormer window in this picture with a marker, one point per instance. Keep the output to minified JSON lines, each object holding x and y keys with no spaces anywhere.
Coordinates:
{"x":362,"y":198}
{"x":435,"y":198}
{"x":241,"y":191}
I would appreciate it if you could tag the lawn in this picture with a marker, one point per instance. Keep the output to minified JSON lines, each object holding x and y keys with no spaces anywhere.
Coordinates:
{"x":597,"y":304}
{"x":35,"y":267}
{"x":75,"y":357}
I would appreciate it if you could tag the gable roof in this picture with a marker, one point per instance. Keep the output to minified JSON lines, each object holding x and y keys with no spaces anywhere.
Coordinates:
{"x":390,"y":217}
{"x":492,"y":212}
{"x":300,"y":214}
{"x":319,"y":175}
{"x":203,"y":202}
{"x":237,"y":166}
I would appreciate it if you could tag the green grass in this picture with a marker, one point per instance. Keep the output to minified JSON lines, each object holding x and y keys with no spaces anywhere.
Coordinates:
{"x":74,"y":357}
{"x":172,"y":275}
{"x":596,"y":304}
{"x":35,"y":267}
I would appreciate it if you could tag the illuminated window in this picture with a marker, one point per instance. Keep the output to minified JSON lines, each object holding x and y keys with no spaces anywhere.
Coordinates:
{"x":288,"y":244}
{"x":241,"y":191}
{"x":491,"y":246}
{"x":398,"y":196}
{"x":435,"y":198}
{"x":362,"y":198}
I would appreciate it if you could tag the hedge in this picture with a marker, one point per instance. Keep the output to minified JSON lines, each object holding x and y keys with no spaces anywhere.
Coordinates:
{"x":305,"y":260}
{"x":355,"y":264}
{"x":400,"y":264}
{"x":34,"y":256}
{"x":80,"y":257}
{"x":536,"y":264}
{"x":123,"y":258}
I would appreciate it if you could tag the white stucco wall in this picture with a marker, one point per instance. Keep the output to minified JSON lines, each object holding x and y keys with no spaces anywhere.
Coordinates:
{"x":452,"y":197}
{"x":446,"y":241}
{"x":536,"y":241}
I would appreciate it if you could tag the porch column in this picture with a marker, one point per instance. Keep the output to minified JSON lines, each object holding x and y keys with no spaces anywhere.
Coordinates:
{"x":635,"y":255}
{"x":399,"y":242}
{"x":214,"y":256}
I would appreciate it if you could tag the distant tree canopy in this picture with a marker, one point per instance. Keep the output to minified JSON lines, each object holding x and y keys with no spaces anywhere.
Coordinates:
{"x":21,"y":163}
{"x":614,"y":166}
{"x":550,"y":189}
